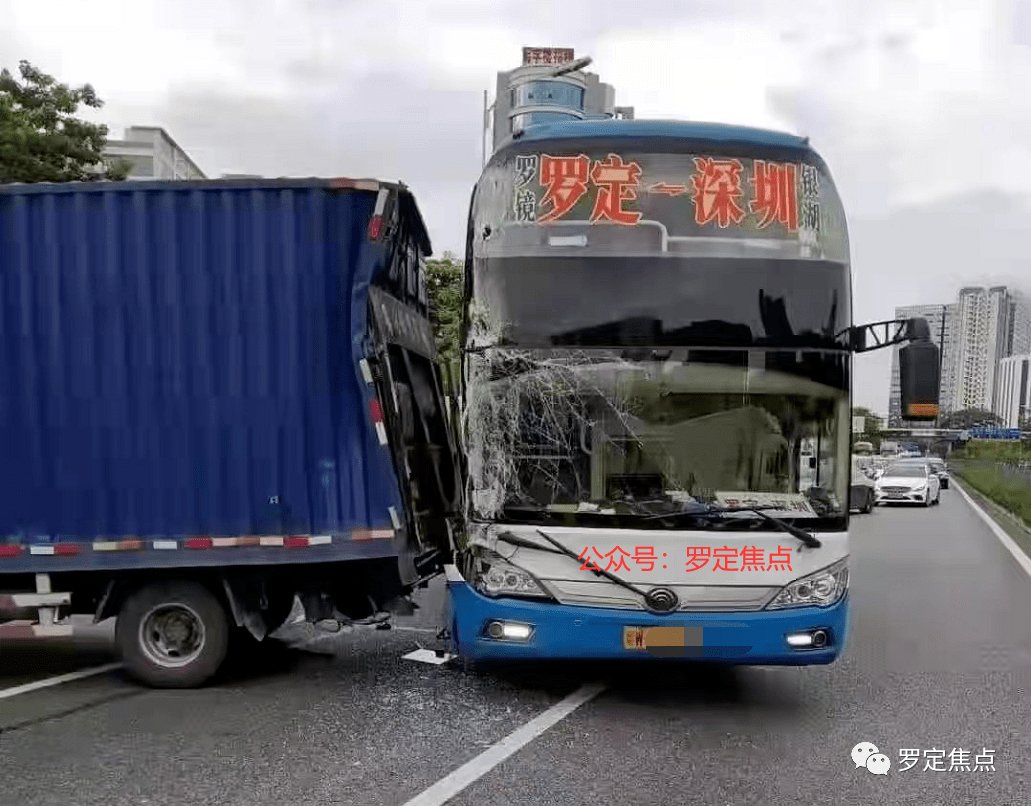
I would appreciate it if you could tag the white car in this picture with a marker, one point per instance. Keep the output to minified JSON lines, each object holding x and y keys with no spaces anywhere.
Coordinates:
{"x":908,"y":482}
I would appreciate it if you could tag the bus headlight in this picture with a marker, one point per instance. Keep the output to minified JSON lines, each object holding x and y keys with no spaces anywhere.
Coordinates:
{"x":821,"y":589}
{"x":492,"y":575}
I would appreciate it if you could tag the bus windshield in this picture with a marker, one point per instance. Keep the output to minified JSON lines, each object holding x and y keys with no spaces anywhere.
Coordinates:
{"x":586,"y":431}
{"x":650,"y":329}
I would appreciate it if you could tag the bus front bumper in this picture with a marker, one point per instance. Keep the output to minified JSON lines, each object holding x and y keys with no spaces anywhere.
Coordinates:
{"x":533,"y":630}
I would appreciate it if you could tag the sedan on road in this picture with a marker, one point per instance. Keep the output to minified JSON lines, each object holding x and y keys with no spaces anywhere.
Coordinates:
{"x":909,"y":482}
{"x":939,"y":467}
{"x":861,"y":496}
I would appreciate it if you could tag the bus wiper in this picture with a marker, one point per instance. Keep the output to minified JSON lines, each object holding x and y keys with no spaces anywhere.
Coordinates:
{"x":596,"y":570}
{"x":522,"y":542}
{"x":711,"y":512}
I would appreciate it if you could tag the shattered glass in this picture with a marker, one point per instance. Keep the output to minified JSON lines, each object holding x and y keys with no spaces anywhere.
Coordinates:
{"x":595,"y":431}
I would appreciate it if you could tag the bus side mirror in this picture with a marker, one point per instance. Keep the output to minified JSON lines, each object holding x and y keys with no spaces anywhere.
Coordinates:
{"x":919,"y":380}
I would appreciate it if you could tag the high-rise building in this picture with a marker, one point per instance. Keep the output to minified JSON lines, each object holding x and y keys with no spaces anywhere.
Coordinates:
{"x":550,"y":85}
{"x":1019,"y":336}
{"x":1013,"y":393}
{"x":991,"y":323}
{"x":152,"y":154}
{"x":941,"y":320}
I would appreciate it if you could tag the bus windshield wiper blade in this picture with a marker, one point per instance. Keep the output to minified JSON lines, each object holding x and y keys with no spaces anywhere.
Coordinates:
{"x":522,"y":542}
{"x":710,"y":512}
{"x":597,"y":571}
{"x":806,"y":537}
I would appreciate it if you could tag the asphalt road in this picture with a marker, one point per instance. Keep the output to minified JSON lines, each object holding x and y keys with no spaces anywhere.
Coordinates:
{"x":940,"y":658}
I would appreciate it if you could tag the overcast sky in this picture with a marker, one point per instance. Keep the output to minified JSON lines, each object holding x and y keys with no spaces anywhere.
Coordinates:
{"x":921,"y":109}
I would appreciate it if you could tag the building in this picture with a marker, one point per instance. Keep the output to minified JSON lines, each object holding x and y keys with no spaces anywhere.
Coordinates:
{"x":1013,"y":393}
{"x":548,"y":86}
{"x":991,"y":324}
{"x":941,"y":320}
{"x":152,"y":154}
{"x":1019,"y":335}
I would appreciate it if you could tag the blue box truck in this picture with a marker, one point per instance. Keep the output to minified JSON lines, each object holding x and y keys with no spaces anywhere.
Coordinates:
{"x":217,"y":398}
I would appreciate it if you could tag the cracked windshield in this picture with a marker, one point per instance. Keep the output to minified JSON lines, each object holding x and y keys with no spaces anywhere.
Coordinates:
{"x":590,"y":432}
{"x":467,"y":402}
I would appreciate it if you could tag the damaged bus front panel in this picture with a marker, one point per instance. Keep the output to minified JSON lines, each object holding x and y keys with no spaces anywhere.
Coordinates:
{"x":656,"y":402}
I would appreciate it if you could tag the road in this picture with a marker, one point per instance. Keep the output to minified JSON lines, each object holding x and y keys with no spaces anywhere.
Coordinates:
{"x":940,"y":658}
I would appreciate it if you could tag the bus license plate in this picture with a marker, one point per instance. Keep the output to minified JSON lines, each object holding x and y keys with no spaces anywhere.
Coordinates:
{"x":633,"y":638}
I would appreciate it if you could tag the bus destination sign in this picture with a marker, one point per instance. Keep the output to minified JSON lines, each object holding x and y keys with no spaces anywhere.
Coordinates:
{"x":703,"y":193}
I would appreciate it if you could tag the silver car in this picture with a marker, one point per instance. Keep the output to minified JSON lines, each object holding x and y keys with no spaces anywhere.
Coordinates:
{"x":939,"y":467}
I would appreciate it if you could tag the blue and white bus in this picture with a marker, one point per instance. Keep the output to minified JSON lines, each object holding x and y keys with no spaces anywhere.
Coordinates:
{"x":656,"y":398}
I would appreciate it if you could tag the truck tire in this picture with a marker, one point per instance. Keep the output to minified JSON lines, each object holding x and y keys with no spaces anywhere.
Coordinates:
{"x":172,"y":634}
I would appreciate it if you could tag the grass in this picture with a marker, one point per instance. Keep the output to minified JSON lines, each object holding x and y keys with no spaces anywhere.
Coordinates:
{"x":991,"y":450}
{"x":1010,"y":492}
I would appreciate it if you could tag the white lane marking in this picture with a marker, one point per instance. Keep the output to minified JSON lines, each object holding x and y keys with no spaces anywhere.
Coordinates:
{"x":56,"y":681}
{"x":449,"y":786}
{"x":1018,"y":554}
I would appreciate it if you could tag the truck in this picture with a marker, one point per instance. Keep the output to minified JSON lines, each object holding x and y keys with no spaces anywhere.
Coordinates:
{"x":218,"y":398}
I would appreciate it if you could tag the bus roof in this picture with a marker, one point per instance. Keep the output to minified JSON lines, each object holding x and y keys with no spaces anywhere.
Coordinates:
{"x":679,"y":129}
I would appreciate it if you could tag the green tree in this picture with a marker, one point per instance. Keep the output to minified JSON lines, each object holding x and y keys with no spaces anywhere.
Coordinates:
{"x":970,"y":418}
{"x":41,"y":139}
{"x":445,"y":281}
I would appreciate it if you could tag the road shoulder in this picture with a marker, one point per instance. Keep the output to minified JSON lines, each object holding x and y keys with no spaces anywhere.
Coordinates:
{"x":1010,"y":531}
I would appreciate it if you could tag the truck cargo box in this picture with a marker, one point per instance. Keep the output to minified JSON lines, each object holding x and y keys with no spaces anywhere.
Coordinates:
{"x":184,"y":376}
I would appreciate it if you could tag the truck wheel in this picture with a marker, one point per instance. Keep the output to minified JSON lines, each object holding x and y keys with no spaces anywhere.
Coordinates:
{"x":172,"y":634}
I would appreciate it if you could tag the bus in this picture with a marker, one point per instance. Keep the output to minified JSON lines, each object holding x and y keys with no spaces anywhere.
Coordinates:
{"x":655,"y":398}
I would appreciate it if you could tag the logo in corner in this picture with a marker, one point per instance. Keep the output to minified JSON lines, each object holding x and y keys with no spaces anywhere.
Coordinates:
{"x":866,"y":754}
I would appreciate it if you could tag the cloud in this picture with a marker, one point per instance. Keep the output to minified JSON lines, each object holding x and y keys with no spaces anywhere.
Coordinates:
{"x":919,"y":106}
{"x":925,"y":105}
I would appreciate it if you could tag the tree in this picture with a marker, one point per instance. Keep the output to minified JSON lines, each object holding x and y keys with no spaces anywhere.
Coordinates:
{"x":970,"y":418}
{"x":445,"y":281}
{"x":41,"y":140}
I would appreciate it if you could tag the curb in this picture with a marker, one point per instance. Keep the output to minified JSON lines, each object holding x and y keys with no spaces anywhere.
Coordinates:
{"x":1018,"y":553}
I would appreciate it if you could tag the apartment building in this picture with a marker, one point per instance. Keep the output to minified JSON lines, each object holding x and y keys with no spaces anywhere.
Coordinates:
{"x":152,"y":154}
